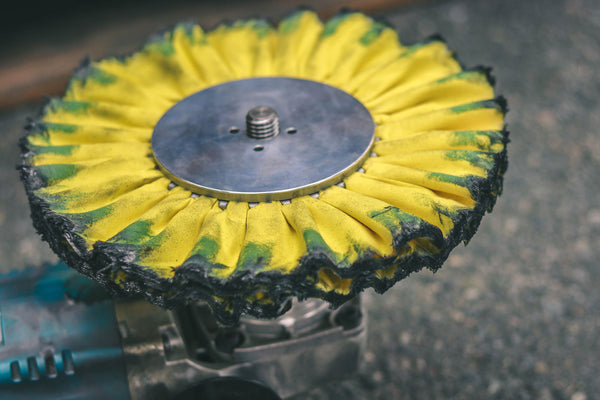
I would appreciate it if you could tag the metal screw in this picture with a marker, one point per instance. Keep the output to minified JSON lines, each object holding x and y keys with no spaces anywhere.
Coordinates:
{"x":262,"y":122}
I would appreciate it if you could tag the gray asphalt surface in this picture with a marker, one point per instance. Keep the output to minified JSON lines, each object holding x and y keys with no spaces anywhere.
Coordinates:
{"x":516,"y":313}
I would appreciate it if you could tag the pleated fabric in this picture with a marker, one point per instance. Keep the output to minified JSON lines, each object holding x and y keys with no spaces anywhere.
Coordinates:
{"x":436,"y":167}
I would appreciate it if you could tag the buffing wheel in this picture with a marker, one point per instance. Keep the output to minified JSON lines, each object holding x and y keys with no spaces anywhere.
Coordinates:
{"x":251,"y":164}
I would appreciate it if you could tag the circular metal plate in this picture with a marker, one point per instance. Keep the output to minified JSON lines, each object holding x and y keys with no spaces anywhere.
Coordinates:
{"x":202,"y":145}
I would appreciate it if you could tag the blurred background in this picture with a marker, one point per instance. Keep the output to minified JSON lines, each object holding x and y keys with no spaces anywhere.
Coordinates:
{"x":513,"y":315}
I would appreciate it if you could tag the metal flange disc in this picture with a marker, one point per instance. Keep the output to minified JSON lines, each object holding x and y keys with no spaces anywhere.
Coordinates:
{"x":263,"y":139}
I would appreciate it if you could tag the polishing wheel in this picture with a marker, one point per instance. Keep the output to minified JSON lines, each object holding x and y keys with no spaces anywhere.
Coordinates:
{"x":253,"y":164}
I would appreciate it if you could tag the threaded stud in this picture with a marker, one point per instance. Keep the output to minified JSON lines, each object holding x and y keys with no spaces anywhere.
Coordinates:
{"x":262,"y":122}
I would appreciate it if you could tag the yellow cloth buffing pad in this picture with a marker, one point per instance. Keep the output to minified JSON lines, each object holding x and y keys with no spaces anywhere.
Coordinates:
{"x":99,"y":198}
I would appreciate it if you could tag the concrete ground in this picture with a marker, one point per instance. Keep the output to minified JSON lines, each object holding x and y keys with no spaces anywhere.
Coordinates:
{"x":516,"y":313}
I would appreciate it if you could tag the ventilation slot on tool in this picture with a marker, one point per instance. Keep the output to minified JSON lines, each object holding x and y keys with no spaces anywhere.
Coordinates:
{"x":68,"y":364}
{"x":15,"y":371}
{"x":32,"y":369}
{"x":51,"y":371}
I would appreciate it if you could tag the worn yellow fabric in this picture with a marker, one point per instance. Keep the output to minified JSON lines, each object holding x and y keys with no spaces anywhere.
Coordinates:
{"x":270,"y":242}
{"x":297,"y":37}
{"x":221,"y":238}
{"x":58,"y":134}
{"x":462,"y":88}
{"x":171,"y":247}
{"x":414,"y":67}
{"x":436,"y":165}
{"x":247,"y":47}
